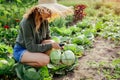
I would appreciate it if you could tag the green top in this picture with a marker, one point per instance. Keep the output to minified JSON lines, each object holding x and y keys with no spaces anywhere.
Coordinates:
{"x":30,"y":39}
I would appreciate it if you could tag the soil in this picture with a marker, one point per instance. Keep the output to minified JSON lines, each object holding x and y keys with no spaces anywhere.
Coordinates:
{"x":102,"y":51}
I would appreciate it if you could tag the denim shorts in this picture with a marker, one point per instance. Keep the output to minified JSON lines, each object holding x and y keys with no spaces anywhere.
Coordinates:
{"x":18,"y":52}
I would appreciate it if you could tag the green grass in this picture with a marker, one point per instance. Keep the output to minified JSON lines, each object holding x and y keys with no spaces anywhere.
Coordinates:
{"x":86,"y":2}
{"x":71,"y":2}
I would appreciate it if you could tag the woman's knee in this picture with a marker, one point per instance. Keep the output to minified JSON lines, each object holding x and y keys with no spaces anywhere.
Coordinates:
{"x":48,"y":41}
{"x":44,"y":61}
{"x":36,"y":59}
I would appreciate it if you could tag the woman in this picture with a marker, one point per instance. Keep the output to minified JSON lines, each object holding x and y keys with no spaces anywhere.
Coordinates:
{"x":33,"y":43}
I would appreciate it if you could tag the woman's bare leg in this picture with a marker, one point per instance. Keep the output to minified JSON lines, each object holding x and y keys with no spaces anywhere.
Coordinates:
{"x":47,"y":41}
{"x":35,"y":59}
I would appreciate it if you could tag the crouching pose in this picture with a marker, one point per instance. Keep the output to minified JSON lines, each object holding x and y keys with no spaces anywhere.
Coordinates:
{"x":33,"y":42}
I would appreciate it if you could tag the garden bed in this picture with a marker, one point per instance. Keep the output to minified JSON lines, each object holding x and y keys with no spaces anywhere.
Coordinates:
{"x":94,"y":62}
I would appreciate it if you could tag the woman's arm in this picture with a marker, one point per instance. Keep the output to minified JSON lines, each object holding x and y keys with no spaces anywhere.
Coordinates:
{"x":29,"y":40}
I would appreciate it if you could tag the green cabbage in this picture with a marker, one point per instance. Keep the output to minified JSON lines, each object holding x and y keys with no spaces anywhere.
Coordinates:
{"x":68,"y":57}
{"x":55,"y":56}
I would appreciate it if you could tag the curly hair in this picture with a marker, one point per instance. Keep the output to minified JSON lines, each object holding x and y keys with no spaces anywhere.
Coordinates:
{"x":38,"y":12}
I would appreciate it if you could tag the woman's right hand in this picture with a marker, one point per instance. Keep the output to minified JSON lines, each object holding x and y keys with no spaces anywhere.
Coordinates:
{"x":56,"y":45}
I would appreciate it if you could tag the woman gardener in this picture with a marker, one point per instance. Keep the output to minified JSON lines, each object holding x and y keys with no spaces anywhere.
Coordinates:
{"x":33,"y":43}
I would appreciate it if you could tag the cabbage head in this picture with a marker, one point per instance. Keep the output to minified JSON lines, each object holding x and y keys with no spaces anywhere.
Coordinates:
{"x":55,"y":56}
{"x":68,"y":57}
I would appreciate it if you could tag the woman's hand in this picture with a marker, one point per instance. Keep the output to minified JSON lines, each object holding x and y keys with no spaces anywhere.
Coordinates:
{"x":56,"y":45}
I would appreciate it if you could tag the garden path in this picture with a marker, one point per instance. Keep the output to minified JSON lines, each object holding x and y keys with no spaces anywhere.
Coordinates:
{"x":102,"y":51}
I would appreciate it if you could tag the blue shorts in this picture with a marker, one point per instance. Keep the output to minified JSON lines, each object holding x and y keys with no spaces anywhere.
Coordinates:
{"x":18,"y":52}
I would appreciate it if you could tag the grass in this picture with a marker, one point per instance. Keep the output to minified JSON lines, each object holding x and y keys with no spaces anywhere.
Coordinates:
{"x":86,"y":2}
{"x":71,"y":2}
